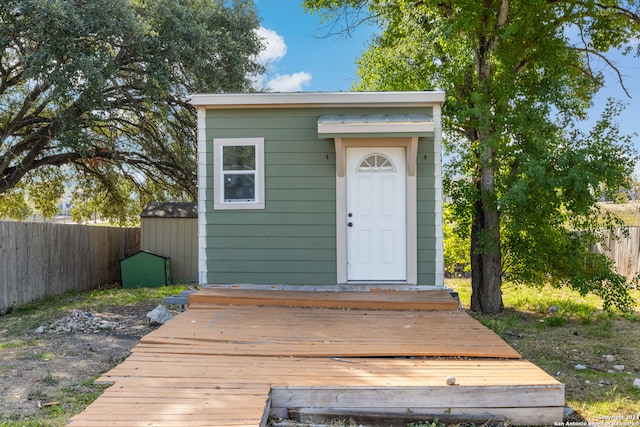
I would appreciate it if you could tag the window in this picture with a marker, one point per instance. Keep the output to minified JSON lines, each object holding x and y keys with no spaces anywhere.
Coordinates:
{"x":238,"y":173}
{"x":376,"y":163}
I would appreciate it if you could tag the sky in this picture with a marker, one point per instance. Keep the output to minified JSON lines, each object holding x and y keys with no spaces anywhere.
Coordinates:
{"x":301,"y":57}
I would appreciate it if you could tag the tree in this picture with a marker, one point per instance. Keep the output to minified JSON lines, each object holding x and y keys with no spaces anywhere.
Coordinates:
{"x":97,"y":93}
{"x":518,"y":75}
{"x":456,"y":245}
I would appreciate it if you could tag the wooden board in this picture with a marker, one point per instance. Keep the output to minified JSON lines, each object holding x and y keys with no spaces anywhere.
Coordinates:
{"x":369,"y":300}
{"x":274,"y":331}
{"x":235,"y":371}
{"x":516,"y":388}
{"x":157,"y":403}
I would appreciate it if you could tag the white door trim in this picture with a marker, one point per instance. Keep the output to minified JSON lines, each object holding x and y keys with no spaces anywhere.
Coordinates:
{"x":411,"y":147}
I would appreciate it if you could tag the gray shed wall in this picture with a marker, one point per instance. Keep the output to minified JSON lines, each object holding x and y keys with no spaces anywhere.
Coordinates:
{"x":175,"y":238}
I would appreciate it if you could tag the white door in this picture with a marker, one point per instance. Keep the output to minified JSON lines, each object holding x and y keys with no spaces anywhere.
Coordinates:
{"x":376,"y":214}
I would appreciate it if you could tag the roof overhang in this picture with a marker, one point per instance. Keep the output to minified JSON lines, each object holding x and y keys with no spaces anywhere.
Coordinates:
{"x":334,"y":126}
{"x":315,"y":99}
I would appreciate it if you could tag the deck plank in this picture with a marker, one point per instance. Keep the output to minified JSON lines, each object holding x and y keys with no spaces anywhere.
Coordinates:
{"x":369,"y":300}
{"x":233,"y":365}
{"x":273,"y":331}
{"x":232,"y":372}
{"x":158,"y":403}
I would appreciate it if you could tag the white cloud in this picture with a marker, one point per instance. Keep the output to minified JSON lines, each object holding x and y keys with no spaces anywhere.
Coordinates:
{"x":274,"y":50}
{"x":289,"y":82}
{"x":274,"y":46}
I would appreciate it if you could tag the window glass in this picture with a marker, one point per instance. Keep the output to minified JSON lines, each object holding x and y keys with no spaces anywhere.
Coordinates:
{"x":239,"y":157}
{"x":239,"y":187}
{"x":376,"y":163}
{"x":239,"y":173}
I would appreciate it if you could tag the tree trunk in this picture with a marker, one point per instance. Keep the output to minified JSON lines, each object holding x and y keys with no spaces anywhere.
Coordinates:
{"x":486,"y":258}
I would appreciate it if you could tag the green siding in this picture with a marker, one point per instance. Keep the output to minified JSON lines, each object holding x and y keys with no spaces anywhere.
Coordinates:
{"x":258,"y":244}
{"x":308,"y":231}
{"x":273,"y":254}
{"x":293,"y":241}
{"x":427,"y":215}
{"x":286,"y":217}
{"x":284,"y":182}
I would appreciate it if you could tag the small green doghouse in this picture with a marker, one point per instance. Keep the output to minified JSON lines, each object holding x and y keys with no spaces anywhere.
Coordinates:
{"x":145,"y":269}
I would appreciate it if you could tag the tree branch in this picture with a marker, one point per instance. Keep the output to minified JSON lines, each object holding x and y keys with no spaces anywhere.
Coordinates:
{"x":608,"y":62}
{"x":621,"y":10}
{"x":353,"y":17}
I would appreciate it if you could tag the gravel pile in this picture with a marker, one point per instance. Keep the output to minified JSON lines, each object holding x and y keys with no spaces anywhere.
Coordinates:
{"x":77,"y":322}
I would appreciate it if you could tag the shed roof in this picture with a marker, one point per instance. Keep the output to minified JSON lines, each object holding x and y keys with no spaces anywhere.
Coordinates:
{"x":170,"y":210}
{"x":313,"y":99}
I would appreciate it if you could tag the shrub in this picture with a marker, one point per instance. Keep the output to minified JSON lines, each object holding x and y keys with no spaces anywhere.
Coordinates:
{"x":620,"y":198}
{"x":457,"y":261}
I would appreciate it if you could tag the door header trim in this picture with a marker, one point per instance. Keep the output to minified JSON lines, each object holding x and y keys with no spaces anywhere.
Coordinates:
{"x":409,"y":143}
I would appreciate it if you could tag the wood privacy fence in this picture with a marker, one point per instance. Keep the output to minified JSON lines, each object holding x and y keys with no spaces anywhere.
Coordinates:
{"x":40,"y":259}
{"x":623,"y":247}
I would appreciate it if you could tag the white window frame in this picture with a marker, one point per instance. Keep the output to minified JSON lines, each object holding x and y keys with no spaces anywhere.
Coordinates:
{"x":219,"y":202}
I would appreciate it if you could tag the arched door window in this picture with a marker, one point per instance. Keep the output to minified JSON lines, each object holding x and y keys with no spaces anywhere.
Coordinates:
{"x":376,"y":163}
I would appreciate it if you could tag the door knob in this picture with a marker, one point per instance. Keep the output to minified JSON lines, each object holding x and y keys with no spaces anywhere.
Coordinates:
{"x":350,"y":224}
{"x":349,"y":214}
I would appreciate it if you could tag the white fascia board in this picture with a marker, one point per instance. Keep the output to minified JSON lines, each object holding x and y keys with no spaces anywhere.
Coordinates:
{"x":311,"y":99}
{"x":359,"y":128}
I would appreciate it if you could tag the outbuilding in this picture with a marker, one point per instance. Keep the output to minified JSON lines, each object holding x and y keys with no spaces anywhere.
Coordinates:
{"x":331,"y":188}
{"x":145,"y":269}
{"x":171,"y":229}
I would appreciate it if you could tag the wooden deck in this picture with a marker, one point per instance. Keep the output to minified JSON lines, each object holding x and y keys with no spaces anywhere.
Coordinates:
{"x":272,"y":353}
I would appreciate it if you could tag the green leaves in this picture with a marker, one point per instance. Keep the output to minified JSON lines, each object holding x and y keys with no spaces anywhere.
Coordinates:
{"x":456,"y":244}
{"x":552,"y":194}
{"x":46,"y":188}
{"x":101,"y":89}
{"x":13,"y":204}
{"x":517,"y":75}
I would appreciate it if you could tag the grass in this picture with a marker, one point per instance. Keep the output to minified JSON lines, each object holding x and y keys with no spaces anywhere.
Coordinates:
{"x":434,"y":423}
{"x":49,"y":379}
{"x":577,"y":330}
{"x":68,"y":402}
{"x":28,"y":317}
{"x":22,"y":321}
{"x":19,"y":343}
{"x":43,"y":356}
{"x":628,"y":213}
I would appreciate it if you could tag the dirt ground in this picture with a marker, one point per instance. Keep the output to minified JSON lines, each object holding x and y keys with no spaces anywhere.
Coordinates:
{"x":42,"y":372}
{"x":37,"y":368}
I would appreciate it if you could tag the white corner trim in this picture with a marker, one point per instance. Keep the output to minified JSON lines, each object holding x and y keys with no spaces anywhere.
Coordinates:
{"x":439,"y":232}
{"x":203,"y":179}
